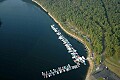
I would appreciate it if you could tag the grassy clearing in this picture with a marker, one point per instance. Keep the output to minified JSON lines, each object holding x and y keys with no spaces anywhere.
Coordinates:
{"x":115,"y":60}
{"x":100,"y":79}
{"x":113,"y":66}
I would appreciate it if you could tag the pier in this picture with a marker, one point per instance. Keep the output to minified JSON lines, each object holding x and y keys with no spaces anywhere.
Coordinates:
{"x":75,"y":57}
{"x":59,"y":70}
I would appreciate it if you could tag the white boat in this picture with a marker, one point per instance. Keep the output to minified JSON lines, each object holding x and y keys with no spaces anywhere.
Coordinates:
{"x":70,"y":51}
{"x":83,"y":57}
{"x":80,"y":58}
{"x":60,"y":37}
{"x":54,"y":29}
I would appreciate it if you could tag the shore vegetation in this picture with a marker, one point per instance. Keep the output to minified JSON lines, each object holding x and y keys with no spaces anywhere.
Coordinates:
{"x":97,"y":22}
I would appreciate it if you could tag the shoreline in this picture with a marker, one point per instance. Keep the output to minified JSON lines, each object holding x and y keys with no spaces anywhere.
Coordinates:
{"x":75,"y":37}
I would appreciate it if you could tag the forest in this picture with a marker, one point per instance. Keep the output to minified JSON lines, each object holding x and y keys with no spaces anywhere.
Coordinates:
{"x":99,"y":20}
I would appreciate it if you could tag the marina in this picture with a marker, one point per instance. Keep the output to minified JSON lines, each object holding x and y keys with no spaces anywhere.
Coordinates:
{"x":29,"y":46}
{"x":75,"y":57}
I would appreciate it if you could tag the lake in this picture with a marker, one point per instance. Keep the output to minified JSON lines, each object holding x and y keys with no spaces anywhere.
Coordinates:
{"x":29,"y":46}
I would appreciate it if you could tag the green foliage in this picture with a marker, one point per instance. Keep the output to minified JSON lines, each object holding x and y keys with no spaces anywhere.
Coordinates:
{"x":98,"y":59}
{"x":100,"y":19}
{"x":100,"y":79}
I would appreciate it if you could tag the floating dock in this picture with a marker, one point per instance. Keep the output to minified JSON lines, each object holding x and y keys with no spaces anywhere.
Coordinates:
{"x":59,"y":70}
{"x":76,"y":58}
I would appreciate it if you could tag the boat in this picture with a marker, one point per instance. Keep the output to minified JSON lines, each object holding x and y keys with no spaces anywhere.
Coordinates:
{"x":54,"y":29}
{"x":83,"y":57}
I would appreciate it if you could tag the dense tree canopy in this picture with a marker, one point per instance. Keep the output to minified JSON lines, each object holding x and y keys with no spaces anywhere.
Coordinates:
{"x":97,"y":19}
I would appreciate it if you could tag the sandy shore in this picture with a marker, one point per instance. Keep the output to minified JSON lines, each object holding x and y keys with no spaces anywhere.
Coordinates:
{"x":77,"y":38}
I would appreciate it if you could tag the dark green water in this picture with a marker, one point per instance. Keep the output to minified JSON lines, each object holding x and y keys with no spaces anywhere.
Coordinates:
{"x":29,"y":46}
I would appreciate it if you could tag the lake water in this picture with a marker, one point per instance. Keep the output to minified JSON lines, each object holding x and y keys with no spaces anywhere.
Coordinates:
{"x":29,"y":46}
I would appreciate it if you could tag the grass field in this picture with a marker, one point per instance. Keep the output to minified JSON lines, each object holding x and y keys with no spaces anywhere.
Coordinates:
{"x":114,"y":65}
{"x":100,"y":79}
